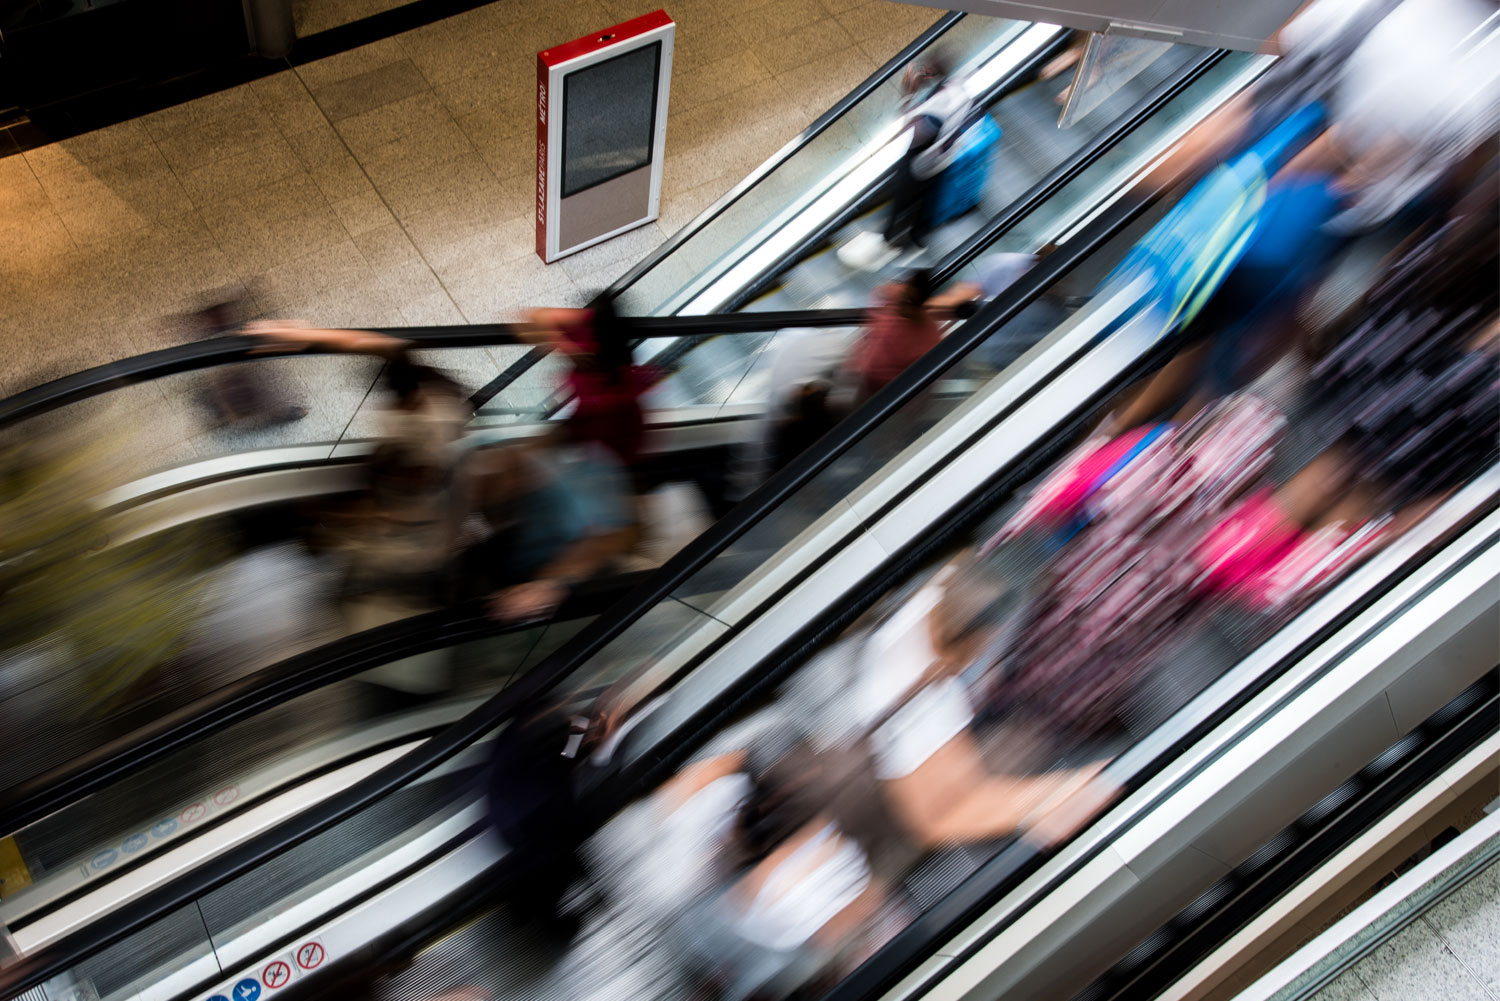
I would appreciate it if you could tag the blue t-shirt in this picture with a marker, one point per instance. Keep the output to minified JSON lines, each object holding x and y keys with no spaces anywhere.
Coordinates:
{"x":585,"y":494}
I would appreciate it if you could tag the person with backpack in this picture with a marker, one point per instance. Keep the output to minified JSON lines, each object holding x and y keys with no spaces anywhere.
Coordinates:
{"x":937,"y":109}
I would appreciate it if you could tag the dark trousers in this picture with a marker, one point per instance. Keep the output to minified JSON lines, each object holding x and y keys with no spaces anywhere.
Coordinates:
{"x":908,"y":193}
{"x":908,"y":220}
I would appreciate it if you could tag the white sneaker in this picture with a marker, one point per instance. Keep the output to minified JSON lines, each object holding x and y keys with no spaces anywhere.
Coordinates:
{"x":867,"y":252}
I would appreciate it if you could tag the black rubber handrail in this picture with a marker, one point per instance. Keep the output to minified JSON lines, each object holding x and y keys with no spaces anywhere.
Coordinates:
{"x":1001,"y":874}
{"x":1393,"y":776}
{"x":1064,"y":173}
{"x":228,"y":350}
{"x":577,"y":651}
{"x":1019,"y":76}
{"x":820,"y":125}
{"x":1045,"y":188}
{"x":272,"y":686}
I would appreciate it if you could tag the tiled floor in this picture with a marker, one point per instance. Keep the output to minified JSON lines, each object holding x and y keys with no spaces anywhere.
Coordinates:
{"x":1451,"y":953}
{"x":389,"y":184}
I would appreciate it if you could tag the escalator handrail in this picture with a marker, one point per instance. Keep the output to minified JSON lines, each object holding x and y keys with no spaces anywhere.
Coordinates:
{"x":1018,"y":77}
{"x":230,"y":349}
{"x":791,"y":149}
{"x":273,"y":686}
{"x":1295,"y":854}
{"x":946,"y":269}
{"x":1133,"y":118}
{"x":575,"y":653}
{"x":1045,"y":188}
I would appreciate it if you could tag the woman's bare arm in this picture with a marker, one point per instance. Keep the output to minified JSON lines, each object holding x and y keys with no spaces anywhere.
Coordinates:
{"x":290,"y":335}
{"x":952,"y":797}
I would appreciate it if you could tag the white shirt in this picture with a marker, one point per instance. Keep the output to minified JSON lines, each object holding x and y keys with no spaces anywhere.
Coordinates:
{"x":895,"y":658}
{"x":794,"y":902}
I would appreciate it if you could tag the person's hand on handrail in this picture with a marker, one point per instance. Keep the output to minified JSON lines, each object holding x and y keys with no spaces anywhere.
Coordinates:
{"x":287,"y":336}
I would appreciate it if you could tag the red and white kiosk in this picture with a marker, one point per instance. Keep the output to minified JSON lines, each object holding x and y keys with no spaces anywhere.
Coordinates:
{"x":600,"y":133}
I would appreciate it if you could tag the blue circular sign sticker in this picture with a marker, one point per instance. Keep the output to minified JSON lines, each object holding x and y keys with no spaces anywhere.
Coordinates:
{"x":218,"y":997}
{"x":161,"y":829}
{"x":104,"y":859}
{"x":134,"y":843}
{"x":247,"y":989}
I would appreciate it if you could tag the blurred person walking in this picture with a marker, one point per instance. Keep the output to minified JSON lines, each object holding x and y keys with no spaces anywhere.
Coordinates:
{"x":902,"y":324}
{"x":603,"y":379}
{"x":937,"y":109}
{"x":239,"y":395}
{"x":553,"y":517}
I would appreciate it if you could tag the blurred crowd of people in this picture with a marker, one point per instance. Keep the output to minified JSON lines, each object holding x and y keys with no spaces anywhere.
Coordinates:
{"x":1336,"y":379}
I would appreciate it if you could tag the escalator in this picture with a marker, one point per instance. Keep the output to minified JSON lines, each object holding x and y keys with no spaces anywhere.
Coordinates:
{"x":694,"y":608}
{"x":835,"y":530}
{"x":700,"y":412}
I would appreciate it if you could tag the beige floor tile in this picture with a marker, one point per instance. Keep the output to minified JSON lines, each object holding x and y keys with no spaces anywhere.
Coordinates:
{"x":877,"y":19}
{"x":565,"y":20}
{"x":461,"y":249}
{"x":288,"y":102}
{"x":704,"y":41}
{"x":501,"y":291}
{"x":430,"y":311}
{"x":593,"y":270}
{"x":272,"y":160}
{"x":362,"y":213}
{"x":373,"y":89}
{"x":233,"y":134}
{"x":624,"y":10}
{"x":459,"y":46}
{"x":202,"y":113}
{"x":462,"y":185}
{"x":276,"y":223}
{"x":513,"y":92}
{"x":738,"y":152}
{"x":415,"y":153}
{"x":712,"y":121}
{"x":387,"y":248}
{"x":329,"y":163}
{"x":812,"y":43}
{"x":370,"y":130}
{"x":114,"y":197}
{"x":503,"y":136}
{"x":819,"y":85}
{"x":346,"y":310}
{"x":30,"y":250}
{"x":336,"y":267}
{"x":352,"y":63}
{"x":763,"y":22}
{"x":20,"y":192}
{"x":140,"y":175}
{"x":882,"y":43}
{"x":718,"y":79}
{"x":102,"y":144}
{"x":682,"y":207}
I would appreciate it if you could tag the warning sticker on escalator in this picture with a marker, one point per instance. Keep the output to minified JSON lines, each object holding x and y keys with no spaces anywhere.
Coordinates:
{"x":278,"y":973}
{"x":273,"y":974}
{"x":175,"y":823}
{"x":310,"y":955}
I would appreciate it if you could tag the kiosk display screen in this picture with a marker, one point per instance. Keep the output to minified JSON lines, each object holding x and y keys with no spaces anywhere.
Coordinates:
{"x":609,"y":118}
